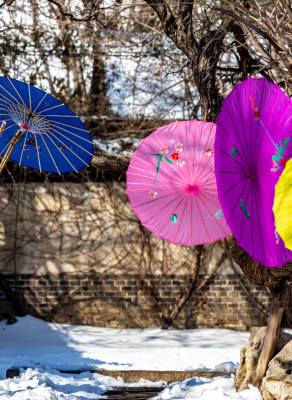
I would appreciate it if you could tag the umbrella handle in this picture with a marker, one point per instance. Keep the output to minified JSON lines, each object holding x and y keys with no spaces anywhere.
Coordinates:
{"x":2,"y":127}
{"x":10,"y":148}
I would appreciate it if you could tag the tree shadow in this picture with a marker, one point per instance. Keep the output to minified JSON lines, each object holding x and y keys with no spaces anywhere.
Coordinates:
{"x":32,"y":342}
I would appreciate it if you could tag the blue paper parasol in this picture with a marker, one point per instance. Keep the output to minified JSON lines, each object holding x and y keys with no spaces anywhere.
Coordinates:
{"x":40,"y":131}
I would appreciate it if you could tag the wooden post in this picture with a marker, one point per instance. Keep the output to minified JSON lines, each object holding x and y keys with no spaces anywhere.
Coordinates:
{"x":10,"y":148}
{"x":279,"y":299}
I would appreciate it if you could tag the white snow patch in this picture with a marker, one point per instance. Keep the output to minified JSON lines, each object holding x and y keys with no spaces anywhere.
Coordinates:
{"x":219,"y":388}
{"x":44,"y":348}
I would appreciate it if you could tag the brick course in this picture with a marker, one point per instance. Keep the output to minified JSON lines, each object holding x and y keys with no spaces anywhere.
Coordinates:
{"x":121,"y":303}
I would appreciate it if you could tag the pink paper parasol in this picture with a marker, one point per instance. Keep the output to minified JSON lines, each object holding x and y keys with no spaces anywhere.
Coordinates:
{"x":171,"y":184}
{"x":252,"y":146}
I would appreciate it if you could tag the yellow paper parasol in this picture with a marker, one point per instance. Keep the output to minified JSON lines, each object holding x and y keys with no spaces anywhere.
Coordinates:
{"x":283,"y":205}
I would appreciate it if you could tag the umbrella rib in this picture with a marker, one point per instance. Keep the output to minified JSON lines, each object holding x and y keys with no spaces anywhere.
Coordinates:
{"x":202,"y":219}
{"x":43,"y":137}
{"x":76,"y":144}
{"x":69,"y":126}
{"x":167,"y":220}
{"x":231,"y":187}
{"x":154,"y":200}
{"x":71,"y":133}
{"x":147,"y":189}
{"x":29,"y":95}
{"x":191,"y":224}
{"x":229,"y":172}
{"x":235,"y":160}
{"x":6,"y":119}
{"x":206,"y":197}
{"x":62,"y":153}
{"x":161,"y":178}
{"x":6,"y":146}
{"x":50,"y":108}
{"x":178,"y":225}
{"x":37,"y":149}
{"x":261,"y":239}
{"x":157,"y":212}
{"x":140,"y":176}
{"x":252,"y":226}
{"x":164,"y":173}
{"x":20,"y":160}
{"x":271,"y":113}
{"x":25,"y":106}
{"x":222,"y":127}
{"x":202,"y":155}
{"x":181,"y":141}
{"x":202,"y":169}
{"x":193,"y":166}
{"x":15,"y":114}
{"x":208,"y":178}
{"x":216,"y":219}
{"x":69,"y":149}
{"x":280,"y":120}
{"x":236,"y":205}
{"x":246,"y":201}
{"x":6,"y":100}
{"x":8,"y":126}
{"x":60,"y":116}
{"x":18,"y":103}
{"x":39,"y":103}
{"x":245,"y":138}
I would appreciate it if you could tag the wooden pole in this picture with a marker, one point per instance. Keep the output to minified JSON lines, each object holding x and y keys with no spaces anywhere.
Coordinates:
{"x":10,"y":148}
{"x":279,"y":299}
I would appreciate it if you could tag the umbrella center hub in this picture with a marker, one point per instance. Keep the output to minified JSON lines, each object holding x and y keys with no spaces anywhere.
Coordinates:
{"x":37,"y":123}
{"x":250,"y":173}
{"x":193,"y":189}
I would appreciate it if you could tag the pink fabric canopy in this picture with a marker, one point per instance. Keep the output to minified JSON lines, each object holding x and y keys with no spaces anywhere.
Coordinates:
{"x":171,"y":184}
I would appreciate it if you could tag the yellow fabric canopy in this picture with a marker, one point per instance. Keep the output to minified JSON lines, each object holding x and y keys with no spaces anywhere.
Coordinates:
{"x":283,"y":205}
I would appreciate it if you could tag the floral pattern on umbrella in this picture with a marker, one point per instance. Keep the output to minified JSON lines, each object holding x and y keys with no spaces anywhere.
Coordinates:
{"x":252,"y":147}
{"x":171,"y":184}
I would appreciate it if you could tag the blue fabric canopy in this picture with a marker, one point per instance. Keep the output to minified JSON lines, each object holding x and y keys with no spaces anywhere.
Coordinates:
{"x":53,"y":139}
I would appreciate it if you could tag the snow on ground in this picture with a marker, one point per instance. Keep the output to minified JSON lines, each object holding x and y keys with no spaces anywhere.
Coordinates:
{"x":47,"y":347}
{"x":115,"y":145}
{"x":218,"y":388}
{"x":31,"y":342}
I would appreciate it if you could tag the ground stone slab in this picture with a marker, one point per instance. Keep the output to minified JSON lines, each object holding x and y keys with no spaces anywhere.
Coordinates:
{"x":277,"y":384}
{"x":139,"y":393}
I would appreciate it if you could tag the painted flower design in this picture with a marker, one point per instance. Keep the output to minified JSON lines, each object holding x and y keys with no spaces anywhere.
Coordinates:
{"x":171,"y":140}
{"x":218,"y":214}
{"x":181,"y":163}
{"x":61,"y":147}
{"x":152,"y":194}
{"x":31,"y":142}
{"x":163,"y":149}
{"x":256,"y":111}
{"x":175,"y":156}
{"x":179,"y":147}
{"x":279,"y":159}
{"x":209,"y":152}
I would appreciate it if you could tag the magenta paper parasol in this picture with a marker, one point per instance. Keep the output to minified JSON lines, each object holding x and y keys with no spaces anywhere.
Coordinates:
{"x":252,"y":146}
{"x":171,"y":184}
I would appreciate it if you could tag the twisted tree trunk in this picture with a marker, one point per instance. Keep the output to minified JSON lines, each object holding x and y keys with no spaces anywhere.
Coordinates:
{"x":278,"y":281}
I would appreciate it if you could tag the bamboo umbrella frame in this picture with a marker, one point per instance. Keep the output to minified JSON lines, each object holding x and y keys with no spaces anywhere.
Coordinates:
{"x":13,"y":143}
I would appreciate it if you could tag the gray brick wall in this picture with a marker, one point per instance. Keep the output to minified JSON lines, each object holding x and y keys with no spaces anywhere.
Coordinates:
{"x":120,"y":302}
